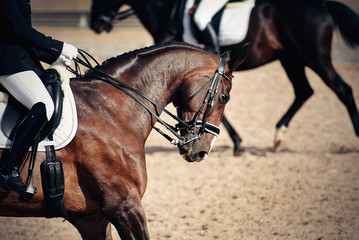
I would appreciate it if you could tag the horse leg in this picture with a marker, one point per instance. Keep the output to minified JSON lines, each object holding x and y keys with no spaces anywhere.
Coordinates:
{"x":128,"y":217}
{"x":323,"y":66}
{"x":233,"y":135}
{"x":302,"y":91}
{"x":342,"y":90}
{"x":92,"y":227}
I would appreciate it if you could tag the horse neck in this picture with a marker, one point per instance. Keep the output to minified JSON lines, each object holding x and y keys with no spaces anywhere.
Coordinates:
{"x":157,"y":76}
{"x":158,"y":79}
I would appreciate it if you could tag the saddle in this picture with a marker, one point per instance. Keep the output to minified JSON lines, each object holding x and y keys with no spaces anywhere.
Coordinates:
{"x":230,"y":23}
{"x":51,"y":169}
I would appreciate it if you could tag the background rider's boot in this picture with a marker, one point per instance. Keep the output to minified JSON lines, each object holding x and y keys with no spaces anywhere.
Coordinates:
{"x":23,"y":139}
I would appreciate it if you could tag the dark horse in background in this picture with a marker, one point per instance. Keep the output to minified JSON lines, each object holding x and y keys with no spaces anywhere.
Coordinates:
{"x":298,"y":33}
{"x":104,"y":165}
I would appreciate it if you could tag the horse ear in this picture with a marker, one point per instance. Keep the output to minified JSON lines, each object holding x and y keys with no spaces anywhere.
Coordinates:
{"x":237,"y":60}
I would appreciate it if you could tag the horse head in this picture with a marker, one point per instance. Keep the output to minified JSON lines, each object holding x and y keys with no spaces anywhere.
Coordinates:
{"x":201,"y":108}
{"x":154,"y":15}
{"x":103,"y":12}
{"x":200,"y":104}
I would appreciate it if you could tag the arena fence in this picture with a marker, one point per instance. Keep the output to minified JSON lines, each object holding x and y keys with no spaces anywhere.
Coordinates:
{"x":74,"y":19}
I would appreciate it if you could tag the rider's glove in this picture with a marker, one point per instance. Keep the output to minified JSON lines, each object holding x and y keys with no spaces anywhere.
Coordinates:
{"x":68,"y":53}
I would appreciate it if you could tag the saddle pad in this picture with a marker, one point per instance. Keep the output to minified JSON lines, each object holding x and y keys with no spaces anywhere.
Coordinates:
{"x":65,"y":131}
{"x":233,"y":26}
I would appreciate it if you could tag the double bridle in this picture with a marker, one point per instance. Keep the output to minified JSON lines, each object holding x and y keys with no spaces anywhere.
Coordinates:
{"x":208,"y":104}
{"x":182,"y":125}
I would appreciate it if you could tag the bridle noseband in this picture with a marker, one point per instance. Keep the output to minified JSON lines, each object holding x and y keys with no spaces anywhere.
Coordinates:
{"x":182,"y":125}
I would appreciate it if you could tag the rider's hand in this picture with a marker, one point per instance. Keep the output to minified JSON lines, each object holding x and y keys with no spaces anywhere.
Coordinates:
{"x":64,"y":60}
{"x":68,"y":53}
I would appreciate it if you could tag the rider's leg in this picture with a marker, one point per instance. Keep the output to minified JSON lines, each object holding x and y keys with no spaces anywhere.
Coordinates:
{"x":28,"y":89}
{"x":204,"y":13}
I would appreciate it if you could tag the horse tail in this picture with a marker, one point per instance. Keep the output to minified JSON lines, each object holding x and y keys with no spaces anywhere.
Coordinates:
{"x":346,"y":20}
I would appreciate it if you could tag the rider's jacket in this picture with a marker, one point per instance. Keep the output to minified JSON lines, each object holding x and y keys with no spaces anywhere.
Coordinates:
{"x":21,"y":46}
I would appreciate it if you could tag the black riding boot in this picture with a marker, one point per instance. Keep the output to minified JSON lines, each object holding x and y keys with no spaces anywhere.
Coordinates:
{"x":23,"y":139}
{"x":210,"y":38}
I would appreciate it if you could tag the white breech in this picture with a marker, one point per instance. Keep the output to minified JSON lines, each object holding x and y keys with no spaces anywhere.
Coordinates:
{"x":28,"y":89}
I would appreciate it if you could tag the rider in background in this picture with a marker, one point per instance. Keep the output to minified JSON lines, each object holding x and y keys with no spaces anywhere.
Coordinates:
{"x":203,"y":14}
{"x":21,"y":50}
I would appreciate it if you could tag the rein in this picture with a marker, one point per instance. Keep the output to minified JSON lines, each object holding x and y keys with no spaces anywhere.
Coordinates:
{"x":209,"y":100}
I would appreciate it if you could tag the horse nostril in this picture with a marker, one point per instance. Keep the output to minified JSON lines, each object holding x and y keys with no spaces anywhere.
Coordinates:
{"x":202,"y":154}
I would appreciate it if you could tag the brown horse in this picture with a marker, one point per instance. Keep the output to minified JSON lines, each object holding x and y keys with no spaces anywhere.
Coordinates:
{"x":298,"y":33}
{"x":104,"y":165}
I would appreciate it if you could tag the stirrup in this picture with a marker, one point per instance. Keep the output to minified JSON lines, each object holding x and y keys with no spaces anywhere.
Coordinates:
{"x":28,"y":193}
{"x":30,"y":190}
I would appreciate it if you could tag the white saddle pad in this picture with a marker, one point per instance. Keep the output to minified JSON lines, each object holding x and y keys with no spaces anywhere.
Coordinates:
{"x":233,"y":26}
{"x":64,"y":133}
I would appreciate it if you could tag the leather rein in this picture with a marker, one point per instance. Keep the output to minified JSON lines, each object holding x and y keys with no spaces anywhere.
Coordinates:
{"x":182,"y":124}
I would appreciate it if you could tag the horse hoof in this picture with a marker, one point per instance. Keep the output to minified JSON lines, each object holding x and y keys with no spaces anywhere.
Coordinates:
{"x":279,"y":138}
{"x":237,"y":151}
{"x":277,"y":146}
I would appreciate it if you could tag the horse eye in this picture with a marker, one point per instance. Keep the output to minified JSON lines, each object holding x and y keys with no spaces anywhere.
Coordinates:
{"x":224,"y":98}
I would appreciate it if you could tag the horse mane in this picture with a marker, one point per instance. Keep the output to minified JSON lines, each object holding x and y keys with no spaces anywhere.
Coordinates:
{"x":147,"y":50}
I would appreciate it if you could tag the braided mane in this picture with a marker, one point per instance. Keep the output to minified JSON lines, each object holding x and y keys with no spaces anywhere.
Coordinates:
{"x":146,"y":50}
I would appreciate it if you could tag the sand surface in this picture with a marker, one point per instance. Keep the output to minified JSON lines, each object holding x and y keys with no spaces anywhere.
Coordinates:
{"x":309,"y":190}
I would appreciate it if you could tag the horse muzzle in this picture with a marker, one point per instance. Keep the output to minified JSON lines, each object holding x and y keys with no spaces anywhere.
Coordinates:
{"x":103,"y":23}
{"x":189,"y":150}
{"x":191,"y":156}
{"x":192,"y":146}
